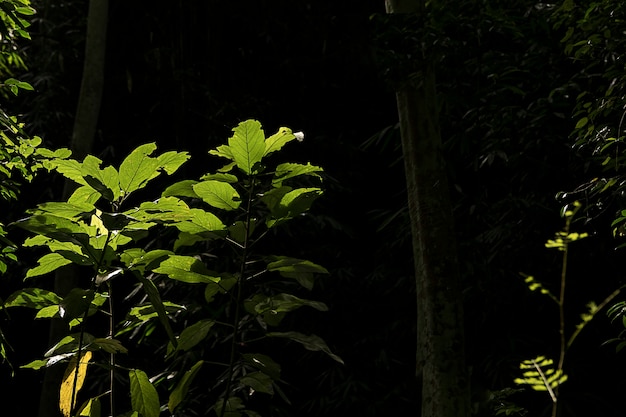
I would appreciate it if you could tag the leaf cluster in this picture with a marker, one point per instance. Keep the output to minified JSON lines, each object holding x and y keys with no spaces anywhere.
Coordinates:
{"x":227,"y":296}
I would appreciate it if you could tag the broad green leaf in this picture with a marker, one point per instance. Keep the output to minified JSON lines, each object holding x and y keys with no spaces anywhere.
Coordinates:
{"x":138,"y":168}
{"x":293,"y":203}
{"x":231,"y":407}
{"x":171,"y":161}
{"x":229,"y":178}
{"x":69,"y":344}
{"x":91,"y":408}
{"x":285,"y":171}
{"x":165,"y":209}
{"x":181,"y":189}
{"x":247,"y":145}
{"x":48,"y":263}
{"x":278,"y":140}
{"x":213,"y":288}
{"x":36,"y":364}
{"x":294,"y":265}
{"x":70,"y":169}
{"x":67,"y":210}
{"x":140,"y":260}
{"x":259,"y":382}
{"x":263,"y":363}
{"x":143,"y":396}
{"x":202,"y":222}
{"x":32,"y":298}
{"x":110,"y":345}
{"x":85,"y":195}
{"x":48,"y":312}
{"x":194,"y":334}
{"x":224,"y":151}
{"x":218,"y":194}
{"x":72,"y":382}
{"x":186,"y":269}
{"x":105,"y":181}
{"x":282,"y":303}
{"x":155,"y":299}
{"x":180,"y":392}
{"x":310,"y":342}
{"x":76,"y":303}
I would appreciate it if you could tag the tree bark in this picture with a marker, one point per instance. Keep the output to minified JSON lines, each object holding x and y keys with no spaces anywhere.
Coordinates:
{"x":83,"y":137}
{"x":440,"y":338}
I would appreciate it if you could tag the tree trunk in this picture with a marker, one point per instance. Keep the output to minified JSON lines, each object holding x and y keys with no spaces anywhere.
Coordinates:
{"x":440,"y":338}
{"x":83,"y":136}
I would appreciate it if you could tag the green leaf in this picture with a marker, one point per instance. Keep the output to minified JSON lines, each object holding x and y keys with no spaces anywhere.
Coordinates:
{"x":76,"y":303}
{"x":194,"y":334}
{"x":138,"y":168}
{"x":85,"y":195}
{"x":186,"y":269}
{"x":105,"y":181}
{"x":229,"y":178}
{"x":288,"y":170}
{"x":232,"y":407}
{"x":171,"y":161}
{"x":247,"y":145}
{"x":69,"y":344}
{"x":91,"y":408}
{"x":47,"y":264}
{"x":224,"y":151}
{"x":143,"y":395}
{"x":278,"y":140}
{"x":180,"y":392}
{"x":155,"y":299}
{"x":32,"y":298}
{"x":310,"y":342}
{"x":181,"y":189}
{"x":110,"y":345}
{"x":263,"y":363}
{"x":218,"y":194}
{"x":259,"y":381}
{"x":582,"y":123}
{"x":294,"y":265}
{"x":70,"y":169}
{"x":202,"y":222}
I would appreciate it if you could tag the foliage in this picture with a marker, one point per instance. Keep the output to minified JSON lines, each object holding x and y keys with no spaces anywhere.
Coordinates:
{"x":540,"y":373}
{"x":196,"y":243}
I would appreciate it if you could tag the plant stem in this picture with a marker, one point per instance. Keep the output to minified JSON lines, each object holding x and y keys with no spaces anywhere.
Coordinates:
{"x":112,"y":355}
{"x":241,"y":280}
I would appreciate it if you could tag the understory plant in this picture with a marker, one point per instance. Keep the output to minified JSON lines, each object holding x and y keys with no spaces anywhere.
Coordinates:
{"x":541,"y":373}
{"x":180,"y":304}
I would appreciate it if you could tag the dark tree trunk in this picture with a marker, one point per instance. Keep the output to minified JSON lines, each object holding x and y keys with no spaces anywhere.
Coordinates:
{"x":440,"y":339}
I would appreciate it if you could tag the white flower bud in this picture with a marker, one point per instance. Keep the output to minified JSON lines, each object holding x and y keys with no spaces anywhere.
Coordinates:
{"x":299,"y":136}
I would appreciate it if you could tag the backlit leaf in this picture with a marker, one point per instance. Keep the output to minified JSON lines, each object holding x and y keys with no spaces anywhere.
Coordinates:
{"x":48,"y":263}
{"x":73,"y":380}
{"x":247,"y":145}
{"x":138,"y":168}
{"x":218,"y":194}
{"x":32,"y":298}
{"x":143,"y":396}
{"x":186,"y":269}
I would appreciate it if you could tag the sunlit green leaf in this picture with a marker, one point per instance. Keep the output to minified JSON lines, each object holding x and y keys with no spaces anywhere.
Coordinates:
{"x":186,"y":269}
{"x":48,"y":263}
{"x":218,"y":194}
{"x":285,"y":171}
{"x":194,"y":334}
{"x":32,"y":298}
{"x":247,"y":145}
{"x":143,"y":396}
{"x":138,"y":168}
{"x":278,"y":140}
{"x":105,"y":181}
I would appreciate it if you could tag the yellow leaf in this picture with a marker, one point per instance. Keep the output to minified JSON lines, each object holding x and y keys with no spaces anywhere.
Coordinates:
{"x":67,"y":386}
